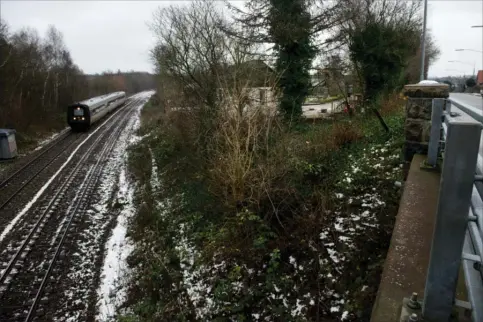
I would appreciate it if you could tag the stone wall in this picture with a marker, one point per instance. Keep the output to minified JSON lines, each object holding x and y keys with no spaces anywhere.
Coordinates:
{"x":418,"y":116}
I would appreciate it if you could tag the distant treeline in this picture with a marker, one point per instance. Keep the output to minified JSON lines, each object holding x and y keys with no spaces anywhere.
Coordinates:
{"x":38,"y":79}
{"x":130,"y":82}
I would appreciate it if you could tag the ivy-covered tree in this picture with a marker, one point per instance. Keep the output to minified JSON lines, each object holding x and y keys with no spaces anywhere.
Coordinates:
{"x":291,"y":26}
{"x":470,"y":82}
{"x":382,"y":36}
{"x":381,"y":51}
{"x":290,"y":29}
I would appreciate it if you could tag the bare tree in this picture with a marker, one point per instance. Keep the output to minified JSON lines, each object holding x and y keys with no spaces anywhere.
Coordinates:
{"x":256,"y":19}
{"x":190,"y":47}
{"x":52,"y":54}
{"x":194,"y":55}
{"x":432,"y":53}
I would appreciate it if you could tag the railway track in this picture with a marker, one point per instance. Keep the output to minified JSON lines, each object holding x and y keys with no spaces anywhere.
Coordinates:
{"x":17,"y":181}
{"x":35,"y":156}
{"x":23,"y":290}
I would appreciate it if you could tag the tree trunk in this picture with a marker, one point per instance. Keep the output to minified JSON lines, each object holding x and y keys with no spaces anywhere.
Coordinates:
{"x":45,"y":89}
{"x":381,"y":120}
{"x":56,"y":91}
{"x":20,"y":98}
{"x":361,"y":86}
{"x":6,"y":59}
{"x":15,"y":87}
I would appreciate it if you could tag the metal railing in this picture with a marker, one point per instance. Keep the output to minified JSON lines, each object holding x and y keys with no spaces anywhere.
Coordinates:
{"x":456,"y":130}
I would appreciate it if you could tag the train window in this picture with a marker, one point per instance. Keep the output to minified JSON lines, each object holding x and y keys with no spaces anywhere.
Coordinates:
{"x":78,"y":111}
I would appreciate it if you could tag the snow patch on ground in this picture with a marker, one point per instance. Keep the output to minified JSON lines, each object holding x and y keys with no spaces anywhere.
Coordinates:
{"x":146,"y":95}
{"x":155,"y":184}
{"x":198,"y":290}
{"x":118,"y":249}
{"x":339,"y":239}
{"x":49,"y":139}
{"x":349,"y":224}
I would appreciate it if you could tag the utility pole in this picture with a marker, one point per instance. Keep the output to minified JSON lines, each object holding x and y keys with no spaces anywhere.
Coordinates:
{"x":423,"y":40}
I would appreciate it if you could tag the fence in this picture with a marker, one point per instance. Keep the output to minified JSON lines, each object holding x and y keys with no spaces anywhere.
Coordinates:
{"x":457,"y":243}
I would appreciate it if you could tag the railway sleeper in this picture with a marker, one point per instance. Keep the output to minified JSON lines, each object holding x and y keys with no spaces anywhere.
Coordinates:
{"x":19,"y":264}
{"x":3,"y":290}
{"x":10,"y":251}
{"x":4,"y":308}
{"x":42,"y":300}
{"x":24,"y":253}
{"x":62,"y":255}
{"x":17,"y":244}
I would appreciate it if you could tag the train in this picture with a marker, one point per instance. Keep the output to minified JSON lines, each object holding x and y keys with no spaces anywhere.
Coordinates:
{"x":82,"y":115}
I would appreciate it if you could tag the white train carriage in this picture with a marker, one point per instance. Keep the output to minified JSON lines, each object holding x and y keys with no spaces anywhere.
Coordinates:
{"x":82,"y":115}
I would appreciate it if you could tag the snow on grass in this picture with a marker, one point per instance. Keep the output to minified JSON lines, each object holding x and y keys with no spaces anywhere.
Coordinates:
{"x":137,"y":123}
{"x":360,"y":220}
{"x":155,"y":184}
{"x":357,"y":205}
{"x":198,"y":290}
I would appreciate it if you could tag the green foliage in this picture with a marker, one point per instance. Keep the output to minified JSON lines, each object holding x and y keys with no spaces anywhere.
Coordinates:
{"x":381,"y":51}
{"x":470,"y":82}
{"x":290,"y":29}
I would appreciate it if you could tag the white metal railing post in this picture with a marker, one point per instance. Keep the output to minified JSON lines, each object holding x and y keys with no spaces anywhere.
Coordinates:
{"x":434,"y":138}
{"x":448,"y":107}
{"x":457,"y":178}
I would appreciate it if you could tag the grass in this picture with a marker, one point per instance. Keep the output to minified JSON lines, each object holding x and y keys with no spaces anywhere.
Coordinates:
{"x":299,"y":232}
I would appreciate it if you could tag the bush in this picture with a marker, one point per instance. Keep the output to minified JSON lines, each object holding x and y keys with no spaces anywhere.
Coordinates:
{"x":242,"y":204}
{"x":346,"y":133}
{"x":252,"y":199}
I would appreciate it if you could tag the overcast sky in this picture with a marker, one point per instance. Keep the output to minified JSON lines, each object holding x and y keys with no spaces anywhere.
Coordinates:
{"x":114,"y":35}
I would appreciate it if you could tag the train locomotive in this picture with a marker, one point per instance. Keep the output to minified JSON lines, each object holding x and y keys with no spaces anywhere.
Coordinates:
{"x":82,"y":115}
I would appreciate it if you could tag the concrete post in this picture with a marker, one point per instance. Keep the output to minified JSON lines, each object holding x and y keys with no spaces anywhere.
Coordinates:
{"x":418,"y":116}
